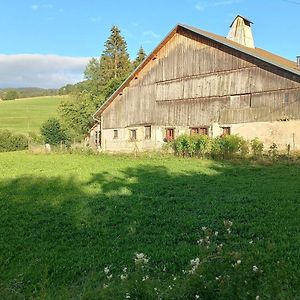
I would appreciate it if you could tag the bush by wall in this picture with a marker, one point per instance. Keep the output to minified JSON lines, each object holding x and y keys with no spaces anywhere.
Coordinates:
{"x":10,"y":141}
{"x":226,"y":147}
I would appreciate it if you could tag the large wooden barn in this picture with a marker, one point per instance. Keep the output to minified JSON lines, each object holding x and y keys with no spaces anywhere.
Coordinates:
{"x":203,"y":83}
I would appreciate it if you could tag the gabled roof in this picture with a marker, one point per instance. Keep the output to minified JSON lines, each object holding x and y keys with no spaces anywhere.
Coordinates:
{"x":260,"y":54}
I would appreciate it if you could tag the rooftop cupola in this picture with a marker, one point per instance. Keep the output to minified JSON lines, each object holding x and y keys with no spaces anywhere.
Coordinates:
{"x":241,"y":32}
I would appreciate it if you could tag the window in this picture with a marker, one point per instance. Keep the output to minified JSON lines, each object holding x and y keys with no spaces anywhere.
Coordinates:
{"x":116,"y":134}
{"x":132,"y":134}
{"x":203,"y":131}
{"x":147,"y":132}
{"x":225,"y":131}
{"x":194,"y":131}
{"x":96,"y":138}
{"x":170,"y":134}
{"x":199,"y":130}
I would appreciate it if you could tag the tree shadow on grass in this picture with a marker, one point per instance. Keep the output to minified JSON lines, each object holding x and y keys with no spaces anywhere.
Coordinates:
{"x":57,"y":234}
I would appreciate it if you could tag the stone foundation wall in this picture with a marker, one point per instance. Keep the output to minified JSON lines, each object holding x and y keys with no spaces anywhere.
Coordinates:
{"x":281,"y":133}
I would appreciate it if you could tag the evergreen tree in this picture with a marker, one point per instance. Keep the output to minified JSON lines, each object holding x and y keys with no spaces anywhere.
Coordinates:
{"x":114,"y":62}
{"x":141,"y":55}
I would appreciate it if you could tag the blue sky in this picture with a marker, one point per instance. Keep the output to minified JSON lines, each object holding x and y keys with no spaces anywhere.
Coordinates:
{"x":78,"y":29}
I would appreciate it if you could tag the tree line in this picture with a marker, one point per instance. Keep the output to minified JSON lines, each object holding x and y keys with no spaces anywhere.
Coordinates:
{"x":16,"y":93}
{"x":103,"y":76}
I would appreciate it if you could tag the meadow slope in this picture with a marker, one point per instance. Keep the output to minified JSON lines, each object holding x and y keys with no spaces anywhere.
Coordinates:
{"x":24,"y":115}
{"x":71,"y":226}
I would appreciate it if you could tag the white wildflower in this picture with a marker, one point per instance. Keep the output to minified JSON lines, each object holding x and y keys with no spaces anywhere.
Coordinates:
{"x":255,"y":268}
{"x":174,"y":278}
{"x":125,"y":270}
{"x":229,"y":230}
{"x":141,"y":258}
{"x":106,"y":270}
{"x":170,"y":287}
{"x":109,"y":277}
{"x":238,"y":262}
{"x":123,"y":276}
{"x":164,"y":269}
{"x":251,"y":242}
{"x":197,"y":296}
{"x":200,"y":241}
{"x":257,"y":297}
{"x":127,"y":296}
{"x":195,"y":261}
{"x":203,"y":228}
{"x":105,"y":286}
{"x":145,"y":278}
{"x":195,"y":264}
{"x":216,"y":233}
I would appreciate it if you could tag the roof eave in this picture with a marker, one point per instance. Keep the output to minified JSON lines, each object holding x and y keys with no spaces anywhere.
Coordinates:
{"x":135,"y":72}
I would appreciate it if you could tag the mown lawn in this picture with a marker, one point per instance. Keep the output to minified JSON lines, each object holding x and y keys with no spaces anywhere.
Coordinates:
{"x":24,"y":115}
{"x":65,"y":218}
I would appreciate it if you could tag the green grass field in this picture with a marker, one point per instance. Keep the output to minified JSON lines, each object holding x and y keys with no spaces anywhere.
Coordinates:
{"x":24,"y":115}
{"x":65,"y":218}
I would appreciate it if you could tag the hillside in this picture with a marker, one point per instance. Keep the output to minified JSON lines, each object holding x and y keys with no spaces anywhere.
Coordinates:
{"x":29,"y":92}
{"x":24,"y":115}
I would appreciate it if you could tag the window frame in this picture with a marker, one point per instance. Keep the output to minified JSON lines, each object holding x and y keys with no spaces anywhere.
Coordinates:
{"x":199,"y":130}
{"x":148,"y":132}
{"x":116,"y":134}
{"x":133,"y":134}
{"x":226,"y":128}
{"x":169,"y":137}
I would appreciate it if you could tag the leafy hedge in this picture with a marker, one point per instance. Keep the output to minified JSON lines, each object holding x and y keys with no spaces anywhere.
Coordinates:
{"x":10,"y":141}
{"x":228,"y":146}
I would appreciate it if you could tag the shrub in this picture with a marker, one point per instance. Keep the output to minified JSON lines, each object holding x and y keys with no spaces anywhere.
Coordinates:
{"x":257,"y":147}
{"x":10,"y":141}
{"x":273,"y":151}
{"x":229,"y":146}
{"x":181,"y":145}
{"x":54,"y":133}
{"x":200,"y":145}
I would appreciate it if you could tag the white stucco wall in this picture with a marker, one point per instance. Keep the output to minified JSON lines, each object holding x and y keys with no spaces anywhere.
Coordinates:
{"x":281,"y":133}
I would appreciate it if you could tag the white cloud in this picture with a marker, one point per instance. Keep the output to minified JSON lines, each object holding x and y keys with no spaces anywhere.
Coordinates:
{"x":37,"y":70}
{"x":203,"y":5}
{"x":41,"y":6}
{"x":151,"y":34}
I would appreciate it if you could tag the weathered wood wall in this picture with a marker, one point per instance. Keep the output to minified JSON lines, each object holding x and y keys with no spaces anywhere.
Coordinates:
{"x":195,"y":82}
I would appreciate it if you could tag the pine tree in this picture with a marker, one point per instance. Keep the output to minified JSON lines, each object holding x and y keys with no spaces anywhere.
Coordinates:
{"x":141,"y":55}
{"x":114,"y":61}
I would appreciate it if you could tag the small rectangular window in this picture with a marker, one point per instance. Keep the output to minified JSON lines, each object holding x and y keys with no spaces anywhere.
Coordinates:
{"x":96,"y":138}
{"x":225,"y":131}
{"x":194,"y":131}
{"x":203,"y":130}
{"x":199,"y":130}
{"x":170,"y":134}
{"x":132,"y":135}
{"x":116,"y":134}
{"x":147,"y":132}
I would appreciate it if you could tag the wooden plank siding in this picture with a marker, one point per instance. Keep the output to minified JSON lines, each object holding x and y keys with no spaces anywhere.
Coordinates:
{"x":194,"y":81}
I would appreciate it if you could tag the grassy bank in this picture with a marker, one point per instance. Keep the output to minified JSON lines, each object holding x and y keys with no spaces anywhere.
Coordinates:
{"x":72,"y":225}
{"x":24,"y":115}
